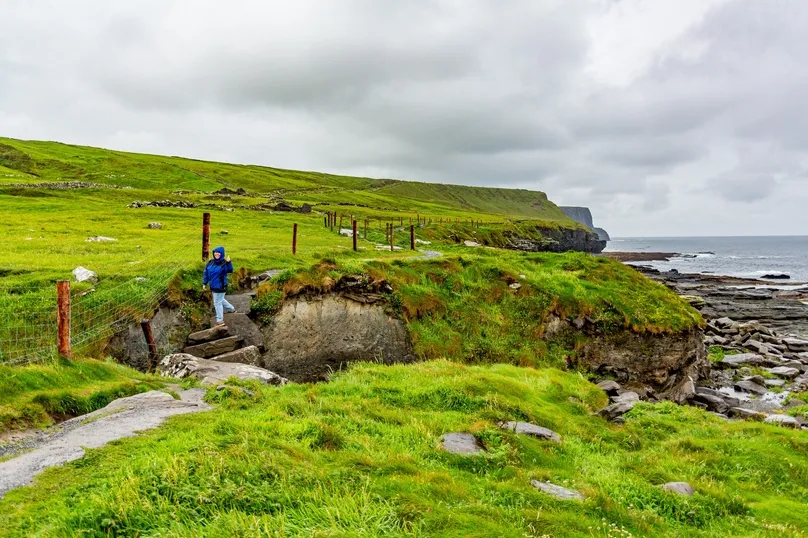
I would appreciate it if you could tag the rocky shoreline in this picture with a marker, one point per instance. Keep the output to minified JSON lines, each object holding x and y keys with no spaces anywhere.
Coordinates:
{"x":757,"y":336}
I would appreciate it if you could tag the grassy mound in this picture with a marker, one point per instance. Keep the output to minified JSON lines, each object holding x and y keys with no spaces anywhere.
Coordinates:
{"x":39,"y":394}
{"x":361,"y":456}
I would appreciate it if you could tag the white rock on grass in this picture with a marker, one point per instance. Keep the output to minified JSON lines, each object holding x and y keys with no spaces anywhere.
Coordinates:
{"x":82,"y":274}
{"x":682,"y":488}
{"x":557,"y":491}
{"x":100,"y":239}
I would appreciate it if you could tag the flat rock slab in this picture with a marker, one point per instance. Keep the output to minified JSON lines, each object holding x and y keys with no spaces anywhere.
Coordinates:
{"x":616,"y":410}
{"x":557,"y":491}
{"x":782,"y":420}
{"x":121,"y":418}
{"x":463,"y":444}
{"x":246,"y":355}
{"x":682,"y":488}
{"x":750,"y":386}
{"x":609,"y":387}
{"x":208,"y":335}
{"x":211,"y":349}
{"x":181,"y":365}
{"x":796,"y":344}
{"x":532,"y":430}
{"x":784,"y":371}
{"x":744,"y":413}
{"x":626,"y":397}
{"x":733,"y":361}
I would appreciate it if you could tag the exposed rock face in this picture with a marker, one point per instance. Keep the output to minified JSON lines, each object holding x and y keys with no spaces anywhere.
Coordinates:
{"x":666,"y":366}
{"x":558,"y":240}
{"x":603,"y":235}
{"x":313,"y":336}
{"x":579,"y":214}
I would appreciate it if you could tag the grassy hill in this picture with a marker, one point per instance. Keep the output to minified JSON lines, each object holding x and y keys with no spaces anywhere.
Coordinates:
{"x":34,"y":161}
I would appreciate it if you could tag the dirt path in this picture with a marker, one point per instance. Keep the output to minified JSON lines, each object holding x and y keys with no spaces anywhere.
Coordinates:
{"x":121,"y":418}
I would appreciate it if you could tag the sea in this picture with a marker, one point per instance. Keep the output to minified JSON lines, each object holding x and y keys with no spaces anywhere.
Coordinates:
{"x":747,"y":257}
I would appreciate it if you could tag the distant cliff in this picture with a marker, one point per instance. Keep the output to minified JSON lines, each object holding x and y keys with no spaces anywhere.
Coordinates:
{"x":584,"y":216}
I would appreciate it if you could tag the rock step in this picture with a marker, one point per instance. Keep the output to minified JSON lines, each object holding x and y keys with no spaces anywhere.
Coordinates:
{"x":246,"y":355}
{"x":216,"y":347}
{"x":208,"y":335}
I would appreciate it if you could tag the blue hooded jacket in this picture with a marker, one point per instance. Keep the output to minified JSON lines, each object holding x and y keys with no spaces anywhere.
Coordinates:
{"x":216,"y":272}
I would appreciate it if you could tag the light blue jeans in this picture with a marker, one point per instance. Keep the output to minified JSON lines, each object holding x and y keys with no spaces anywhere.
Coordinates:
{"x":220,"y":304}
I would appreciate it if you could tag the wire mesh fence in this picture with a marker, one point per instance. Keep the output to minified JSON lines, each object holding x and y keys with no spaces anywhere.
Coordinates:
{"x":121,"y":295}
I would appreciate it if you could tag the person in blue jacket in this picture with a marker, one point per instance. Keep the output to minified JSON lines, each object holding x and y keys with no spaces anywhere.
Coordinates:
{"x":216,"y":276}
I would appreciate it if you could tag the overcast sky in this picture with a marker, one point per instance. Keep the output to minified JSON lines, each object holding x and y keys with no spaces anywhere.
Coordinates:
{"x":665,"y":117}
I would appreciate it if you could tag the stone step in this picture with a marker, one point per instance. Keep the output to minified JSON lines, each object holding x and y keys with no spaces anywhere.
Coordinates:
{"x":208,"y":335}
{"x":216,"y":347}
{"x":245,"y":355}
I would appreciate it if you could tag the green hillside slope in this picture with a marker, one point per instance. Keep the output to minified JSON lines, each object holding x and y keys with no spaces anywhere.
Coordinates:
{"x":31,"y":161}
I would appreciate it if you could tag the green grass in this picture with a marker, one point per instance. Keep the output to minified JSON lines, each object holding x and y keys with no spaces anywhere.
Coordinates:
{"x":360,"y":456}
{"x":36,"y":395}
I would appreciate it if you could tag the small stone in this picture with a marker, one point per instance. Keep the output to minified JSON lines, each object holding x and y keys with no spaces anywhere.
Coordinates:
{"x":782,"y":420}
{"x":774,"y":382}
{"x":155,"y":225}
{"x":531,"y":429}
{"x":100,"y":239}
{"x":682,"y":488}
{"x":82,"y":274}
{"x":463,"y":444}
{"x":557,"y":491}
{"x":515,"y":286}
{"x":223,"y":232}
{"x":471,"y":243}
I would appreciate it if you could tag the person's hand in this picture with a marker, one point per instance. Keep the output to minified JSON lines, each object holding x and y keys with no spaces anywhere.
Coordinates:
{"x":227,"y":259}
{"x":204,"y":287}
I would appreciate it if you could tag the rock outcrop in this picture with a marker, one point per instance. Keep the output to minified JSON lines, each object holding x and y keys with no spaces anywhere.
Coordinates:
{"x":557,"y":240}
{"x":182,"y":365}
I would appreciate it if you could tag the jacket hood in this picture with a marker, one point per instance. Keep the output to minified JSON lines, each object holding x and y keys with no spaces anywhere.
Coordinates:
{"x":220,"y":250}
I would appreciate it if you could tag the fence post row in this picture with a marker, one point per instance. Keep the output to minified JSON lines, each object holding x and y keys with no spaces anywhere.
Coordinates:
{"x":205,"y":236}
{"x":63,"y":318}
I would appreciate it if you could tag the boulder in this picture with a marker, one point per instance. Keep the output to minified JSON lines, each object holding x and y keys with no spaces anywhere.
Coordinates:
{"x":463,"y":444}
{"x":747,"y":414}
{"x":214,"y":333}
{"x":626,"y":397}
{"x":241,"y":325}
{"x":609,"y":387}
{"x":245,"y":355}
{"x":216,"y":347}
{"x":155,"y":225}
{"x":82,"y":274}
{"x":532,"y":430}
{"x":682,"y":488}
{"x":714,"y":403}
{"x":182,"y":365}
{"x":612,"y":412}
{"x":782,"y":420}
{"x":241,"y":301}
{"x":557,"y":491}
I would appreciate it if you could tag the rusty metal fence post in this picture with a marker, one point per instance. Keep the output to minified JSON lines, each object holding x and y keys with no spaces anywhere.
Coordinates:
{"x":147,"y":333}
{"x":63,"y":318}
{"x":205,"y":236}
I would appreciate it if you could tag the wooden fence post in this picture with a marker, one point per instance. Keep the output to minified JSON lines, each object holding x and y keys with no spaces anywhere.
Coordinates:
{"x":325,"y":221}
{"x":333,"y":218}
{"x":392,"y":237}
{"x":294,"y":239}
{"x":63,"y":318}
{"x":205,"y":236}
{"x":353,"y":225}
{"x":412,"y":237}
{"x":147,"y":333}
